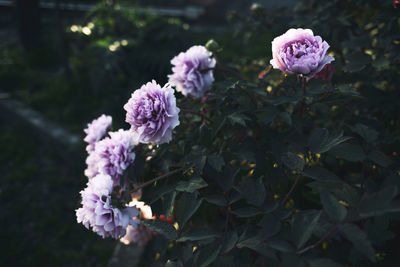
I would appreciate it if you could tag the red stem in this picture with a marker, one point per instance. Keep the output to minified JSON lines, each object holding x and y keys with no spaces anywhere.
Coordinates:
{"x":290,"y":191}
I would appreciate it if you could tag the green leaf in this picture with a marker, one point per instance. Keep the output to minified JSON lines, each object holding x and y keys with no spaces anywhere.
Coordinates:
{"x":102,"y":43}
{"x":303,"y":224}
{"x":173,"y":264}
{"x":264,"y":250}
{"x":336,"y":211}
{"x":197,"y":234}
{"x":345,"y":89}
{"x":155,"y":193}
{"x":249,"y":242}
{"x":207,"y":255}
{"x":286,"y":118}
{"x":252,"y":191}
{"x":381,"y":63}
{"x":186,"y":207}
{"x":282,"y":100}
{"x":267,"y":115}
{"x":217,"y":126}
{"x":348,"y":193}
{"x":168,"y":202}
{"x":350,"y":152}
{"x":321,"y":141}
{"x":380,"y":158}
{"x":216,"y":161}
{"x":218,"y":200}
{"x":228,"y":241}
{"x":293,"y":162}
{"x":192,"y":185}
{"x":377,"y":230}
{"x":197,"y":159}
{"x":365,"y":132}
{"x":257,"y":245}
{"x":291,"y":260}
{"x":321,"y":174}
{"x":378,"y":203}
{"x":281,"y":245}
{"x":359,"y":239}
{"x":238,"y":118}
{"x":320,"y":262}
{"x":356,"y":61}
{"x":226,"y":180}
{"x":161,"y":227}
{"x":234,"y":196}
{"x":246,"y":212}
{"x":270,"y":225}
{"x":270,"y":204}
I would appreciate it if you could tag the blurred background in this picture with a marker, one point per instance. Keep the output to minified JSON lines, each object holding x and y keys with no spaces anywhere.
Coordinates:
{"x":65,"y":62}
{"x":62,"y":64}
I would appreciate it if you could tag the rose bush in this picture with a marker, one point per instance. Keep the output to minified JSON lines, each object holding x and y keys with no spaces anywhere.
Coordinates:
{"x":267,"y":169}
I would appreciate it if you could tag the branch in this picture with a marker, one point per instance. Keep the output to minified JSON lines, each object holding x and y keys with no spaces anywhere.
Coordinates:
{"x":303,"y":88}
{"x":331,"y":231}
{"x":157,"y":178}
{"x":291,"y":190}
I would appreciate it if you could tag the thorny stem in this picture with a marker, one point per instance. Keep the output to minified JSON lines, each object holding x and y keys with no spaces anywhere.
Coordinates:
{"x":157,"y":178}
{"x":290,"y":191}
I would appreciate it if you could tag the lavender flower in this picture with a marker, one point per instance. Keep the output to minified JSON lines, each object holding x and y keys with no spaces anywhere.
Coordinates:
{"x":299,"y":52}
{"x":92,"y":162}
{"x":96,"y":130}
{"x":98,"y":213}
{"x":152,"y":113}
{"x":112,"y":155}
{"x":192,"y":71}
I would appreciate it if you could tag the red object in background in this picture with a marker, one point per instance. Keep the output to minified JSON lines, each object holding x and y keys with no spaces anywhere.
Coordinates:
{"x":204,"y":111}
{"x":262,"y":74}
{"x":204,"y":99}
{"x":169,"y":220}
{"x":325,"y":74}
{"x":396,"y":3}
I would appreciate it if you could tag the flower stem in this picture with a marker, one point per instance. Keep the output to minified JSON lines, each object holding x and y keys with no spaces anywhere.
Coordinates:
{"x":331,"y":231}
{"x":290,"y":191}
{"x":303,"y":102}
{"x":157,"y":178}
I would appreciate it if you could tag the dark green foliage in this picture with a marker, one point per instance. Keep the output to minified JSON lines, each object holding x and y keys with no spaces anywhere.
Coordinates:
{"x":292,"y":177}
{"x":161,"y":227}
{"x":273,"y":174}
{"x":293,"y":162}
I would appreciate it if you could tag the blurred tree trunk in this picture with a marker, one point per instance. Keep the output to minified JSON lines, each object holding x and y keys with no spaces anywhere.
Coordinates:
{"x":29,"y":25}
{"x":63,"y":41}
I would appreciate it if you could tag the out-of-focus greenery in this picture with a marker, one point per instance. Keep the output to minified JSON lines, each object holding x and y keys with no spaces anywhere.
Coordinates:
{"x":280,"y":176}
{"x":110,"y":54}
{"x":39,"y":192}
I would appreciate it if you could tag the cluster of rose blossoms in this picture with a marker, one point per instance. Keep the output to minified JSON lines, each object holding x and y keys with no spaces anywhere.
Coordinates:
{"x":152,"y":114}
